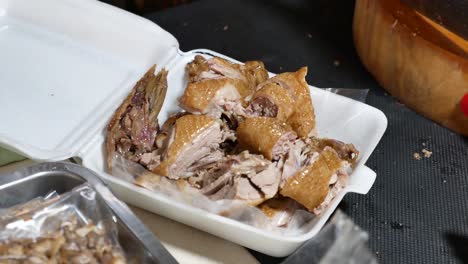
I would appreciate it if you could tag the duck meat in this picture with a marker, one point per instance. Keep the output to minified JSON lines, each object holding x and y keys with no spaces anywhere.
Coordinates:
{"x":133,"y":127}
{"x":311,"y":184}
{"x":265,"y":135}
{"x":302,"y":119}
{"x":191,"y":140}
{"x":216,"y":82}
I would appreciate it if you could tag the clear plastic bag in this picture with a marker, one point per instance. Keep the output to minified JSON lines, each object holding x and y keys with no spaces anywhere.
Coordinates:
{"x":24,"y":208}
{"x":340,"y":241}
{"x":355,"y":94}
{"x":74,"y":227}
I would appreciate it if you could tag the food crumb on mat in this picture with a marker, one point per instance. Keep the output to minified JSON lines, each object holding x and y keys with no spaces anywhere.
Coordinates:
{"x":226,"y":27}
{"x":309,"y":35}
{"x":336,"y":63}
{"x":416,"y":156}
{"x":426,"y":153}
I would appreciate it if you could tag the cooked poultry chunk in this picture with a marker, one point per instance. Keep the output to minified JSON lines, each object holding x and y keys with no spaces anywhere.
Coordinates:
{"x":208,"y":97}
{"x":244,"y":177}
{"x":338,"y":182}
{"x":267,"y":136}
{"x":272,"y":100}
{"x":345,"y":151}
{"x":310,"y":185}
{"x":193,"y":138}
{"x":215,"y":82}
{"x":251,"y":73}
{"x":132,"y":130}
{"x":302,"y":120}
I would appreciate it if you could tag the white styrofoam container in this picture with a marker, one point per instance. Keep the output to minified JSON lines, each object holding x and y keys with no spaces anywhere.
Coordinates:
{"x":66,"y":65}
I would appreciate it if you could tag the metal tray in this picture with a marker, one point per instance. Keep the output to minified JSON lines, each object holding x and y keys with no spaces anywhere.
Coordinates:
{"x":28,"y":183}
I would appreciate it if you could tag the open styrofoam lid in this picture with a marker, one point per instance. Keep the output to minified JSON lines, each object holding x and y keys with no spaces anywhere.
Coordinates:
{"x":63,"y":66}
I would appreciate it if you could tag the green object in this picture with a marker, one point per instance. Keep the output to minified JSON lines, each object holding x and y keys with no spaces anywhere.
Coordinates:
{"x":7,"y":156}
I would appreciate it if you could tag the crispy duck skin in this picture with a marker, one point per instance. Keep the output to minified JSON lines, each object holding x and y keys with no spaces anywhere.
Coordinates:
{"x":272,"y":100}
{"x":133,"y":127}
{"x":215,"y":81}
{"x":310,"y":185}
{"x":302,"y":119}
{"x":204,"y":97}
{"x":193,"y":137}
{"x":265,"y":135}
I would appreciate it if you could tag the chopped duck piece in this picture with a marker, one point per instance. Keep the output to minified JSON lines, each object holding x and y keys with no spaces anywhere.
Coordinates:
{"x":310,"y":185}
{"x":251,"y":73}
{"x":216,"y":82}
{"x":298,"y":156}
{"x":305,"y":152}
{"x":302,"y":119}
{"x":267,"y":181}
{"x":170,"y":122}
{"x":338,"y":182}
{"x":244,"y":176}
{"x":272,"y":100}
{"x":267,"y":136}
{"x":346,"y":151}
{"x":192,"y":138}
{"x":209,"y":96}
{"x":243,"y":189}
{"x":197,"y":67}
{"x":132,"y":130}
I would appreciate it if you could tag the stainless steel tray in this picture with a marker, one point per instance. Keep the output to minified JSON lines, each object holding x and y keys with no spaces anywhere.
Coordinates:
{"x":28,"y":183}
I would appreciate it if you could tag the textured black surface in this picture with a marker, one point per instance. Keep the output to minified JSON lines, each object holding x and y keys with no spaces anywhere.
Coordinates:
{"x":417,"y":210}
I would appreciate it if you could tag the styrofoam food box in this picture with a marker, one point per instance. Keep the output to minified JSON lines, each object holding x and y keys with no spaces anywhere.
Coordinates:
{"x":66,"y":65}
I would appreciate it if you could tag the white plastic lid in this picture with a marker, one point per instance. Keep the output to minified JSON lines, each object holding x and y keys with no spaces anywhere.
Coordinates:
{"x":64,"y":65}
